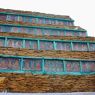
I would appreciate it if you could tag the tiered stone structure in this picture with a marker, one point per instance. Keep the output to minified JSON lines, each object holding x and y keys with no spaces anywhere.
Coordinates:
{"x":44,"y":53}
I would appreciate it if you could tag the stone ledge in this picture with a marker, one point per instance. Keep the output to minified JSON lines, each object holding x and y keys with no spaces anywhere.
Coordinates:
{"x":47,"y":83}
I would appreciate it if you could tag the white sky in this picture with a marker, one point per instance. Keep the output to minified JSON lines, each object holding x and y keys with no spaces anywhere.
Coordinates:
{"x":82,"y":11}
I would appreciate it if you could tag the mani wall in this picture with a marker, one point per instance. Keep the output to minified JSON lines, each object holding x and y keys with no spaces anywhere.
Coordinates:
{"x":44,"y":53}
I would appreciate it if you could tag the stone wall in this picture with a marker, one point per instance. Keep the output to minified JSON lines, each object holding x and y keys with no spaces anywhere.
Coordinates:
{"x":13,"y":82}
{"x":34,"y":13}
{"x":42,"y":25}
{"x":24,"y":35}
{"x":44,"y":53}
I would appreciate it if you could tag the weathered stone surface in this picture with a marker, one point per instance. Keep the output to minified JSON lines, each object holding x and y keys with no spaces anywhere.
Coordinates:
{"x":42,"y":25}
{"x":45,"y":53}
{"x":24,"y":35}
{"x":47,"y":83}
{"x":34,"y":13}
{"x":14,"y":82}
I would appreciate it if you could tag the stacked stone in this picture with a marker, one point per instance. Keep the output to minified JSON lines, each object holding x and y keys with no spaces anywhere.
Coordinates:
{"x":12,"y":81}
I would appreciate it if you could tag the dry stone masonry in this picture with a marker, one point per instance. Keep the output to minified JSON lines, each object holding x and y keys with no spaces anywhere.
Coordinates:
{"x":44,"y":53}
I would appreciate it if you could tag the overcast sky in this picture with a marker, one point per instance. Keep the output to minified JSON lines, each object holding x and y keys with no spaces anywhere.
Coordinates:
{"x":82,"y":11}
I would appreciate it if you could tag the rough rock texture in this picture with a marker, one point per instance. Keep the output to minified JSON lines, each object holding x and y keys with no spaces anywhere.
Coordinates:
{"x":44,"y":53}
{"x":13,"y":82}
{"x":24,"y":35}
{"x":47,"y":83}
{"x":42,"y":25}
{"x":34,"y":13}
